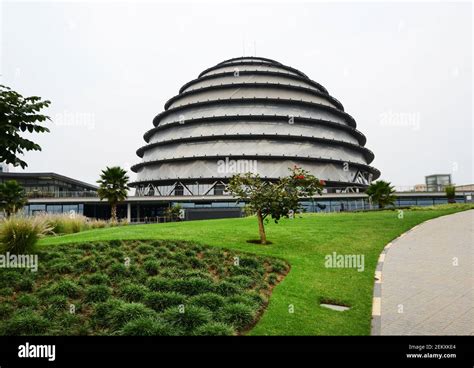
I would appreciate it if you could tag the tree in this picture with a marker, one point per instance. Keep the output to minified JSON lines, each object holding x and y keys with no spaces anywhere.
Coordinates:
{"x":450,"y":193}
{"x":274,"y":198}
{"x":12,"y":197}
{"x":381,"y":192}
{"x":113,"y":186}
{"x":19,"y":114}
{"x":173,"y":212}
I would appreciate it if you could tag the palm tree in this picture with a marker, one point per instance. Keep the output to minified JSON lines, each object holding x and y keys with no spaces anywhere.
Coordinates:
{"x":113,"y":187}
{"x":12,"y":197}
{"x":381,"y":192}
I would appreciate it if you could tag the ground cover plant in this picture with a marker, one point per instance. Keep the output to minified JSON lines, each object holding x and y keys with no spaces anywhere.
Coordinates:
{"x":137,"y":288}
{"x":304,"y":242}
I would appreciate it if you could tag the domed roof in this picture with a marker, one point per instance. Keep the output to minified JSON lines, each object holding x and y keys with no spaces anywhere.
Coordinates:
{"x":255,"y":109}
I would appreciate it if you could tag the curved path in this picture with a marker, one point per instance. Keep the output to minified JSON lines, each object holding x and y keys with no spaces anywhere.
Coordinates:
{"x":427,"y":279}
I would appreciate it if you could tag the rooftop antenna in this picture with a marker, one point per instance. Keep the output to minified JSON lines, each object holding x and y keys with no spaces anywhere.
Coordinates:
{"x":255,"y":48}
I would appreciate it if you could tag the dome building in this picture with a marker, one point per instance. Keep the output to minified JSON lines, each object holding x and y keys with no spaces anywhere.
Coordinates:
{"x":251,"y":114}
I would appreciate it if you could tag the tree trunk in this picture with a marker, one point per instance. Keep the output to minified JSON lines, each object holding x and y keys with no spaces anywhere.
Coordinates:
{"x":114,"y":212}
{"x":261,"y":228}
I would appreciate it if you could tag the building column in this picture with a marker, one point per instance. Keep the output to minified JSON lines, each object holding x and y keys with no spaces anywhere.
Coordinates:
{"x":129,"y":212}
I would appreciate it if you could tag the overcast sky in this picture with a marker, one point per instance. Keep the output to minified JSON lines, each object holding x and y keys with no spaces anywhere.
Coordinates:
{"x":403,"y":71}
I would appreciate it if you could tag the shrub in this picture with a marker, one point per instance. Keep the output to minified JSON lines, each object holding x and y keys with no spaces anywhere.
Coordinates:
{"x":238,"y":315}
{"x":27,"y":300}
{"x":47,"y":256}
{"x":101,"y":246}
{"x":148,"y":327}
{"x":77,"y":224}
{"x":226,"y":288}
{"x":242,"y":299}
{"x":190,"y":253}
{"x":258,"y":298}
{"x":127,"y":312}
{"x":117,"y":269}
{"x":164,"y":262}
{"x":85,"y":246}
{"x":97,"y":224}
{"x":24,"y":322}
{"x":5,"y":310}
{"x":189,"y":319}
{"x":103,"y":311}
{"x":86,"y":264}
{"x":56,"y":305}
{"x":170,"y":272}
{"x":272,"y":278}
{"x":6,"y":291}
{"x":56,"y":302}
{"x":133,"y":292}
{"x":61,"y":267}
{"x":145,"y":249}
{"x":117,"y":254}
{"x":196,"y":273}
{"x":97,"y":293}
{"x":98,"y":279}
{"x":193,"y":285}
{"x":171,"y":246}
{"x":279,"y":266}
{"x":180,"y":257}
{"x":195,"y":262}
{"x":10,"y":277}
{"x":151,"y":267}
{"x":158,"y":283}
{"x":159,"y":301}
{"x":65,"y":223}
{"x":210,"y":301}
{"x":115,"y":243}
{"x":242,"y":281}
{"x":162,"y":252}
{"x":69,"y":323}
{"x":237,"y":271}
{"x":249,"y":262}
{"x":20,"y":234}
{"x":214,"y":329}
{"x":66,"y":287}
{"x":24,"y":284}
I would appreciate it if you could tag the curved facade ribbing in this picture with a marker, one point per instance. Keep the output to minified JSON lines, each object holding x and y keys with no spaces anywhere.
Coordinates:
{"x":250,"y":114}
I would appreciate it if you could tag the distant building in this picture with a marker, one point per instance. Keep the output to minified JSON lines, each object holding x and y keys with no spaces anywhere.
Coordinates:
{"x":465,"y":188}
{"x":44,"y":185}
{"x":54,"y":193}
{"x":3,"y":167}
{"x":437,"y":182}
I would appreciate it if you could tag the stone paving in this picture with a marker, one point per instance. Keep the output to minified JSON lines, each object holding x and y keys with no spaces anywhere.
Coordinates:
{"x":427,"y":279}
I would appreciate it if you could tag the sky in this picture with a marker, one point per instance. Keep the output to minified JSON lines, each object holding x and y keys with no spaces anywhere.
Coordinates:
{"x":403,"y":71}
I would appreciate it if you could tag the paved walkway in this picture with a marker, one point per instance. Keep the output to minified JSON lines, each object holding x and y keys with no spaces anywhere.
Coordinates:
{"x":423,"y":291}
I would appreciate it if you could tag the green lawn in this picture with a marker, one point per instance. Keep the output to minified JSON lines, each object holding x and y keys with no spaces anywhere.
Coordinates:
{"x":303,"y":242}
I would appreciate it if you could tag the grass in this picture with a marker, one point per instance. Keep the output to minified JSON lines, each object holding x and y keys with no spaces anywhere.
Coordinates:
{"x":206,"y":294}
{"x":303,"y":242}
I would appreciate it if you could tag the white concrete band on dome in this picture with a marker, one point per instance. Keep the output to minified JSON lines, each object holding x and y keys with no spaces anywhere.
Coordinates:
{"x":257,"y":110}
